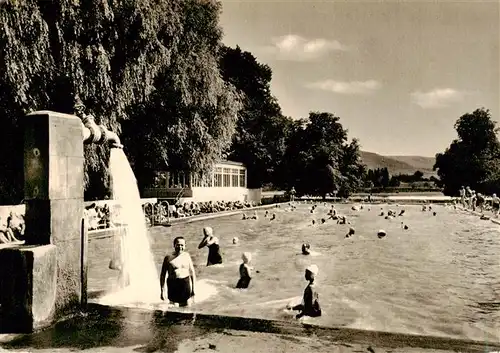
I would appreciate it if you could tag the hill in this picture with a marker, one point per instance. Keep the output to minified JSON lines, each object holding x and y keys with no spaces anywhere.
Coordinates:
{"x":399,"y":164}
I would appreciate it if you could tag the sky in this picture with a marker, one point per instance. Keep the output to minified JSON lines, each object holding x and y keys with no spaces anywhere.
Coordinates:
{"x":398,"y":73}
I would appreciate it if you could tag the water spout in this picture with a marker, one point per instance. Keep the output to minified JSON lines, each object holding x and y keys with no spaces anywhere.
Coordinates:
{"x":93,"y":133}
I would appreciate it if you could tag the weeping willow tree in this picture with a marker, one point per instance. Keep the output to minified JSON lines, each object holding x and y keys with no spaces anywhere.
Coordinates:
{"x":123,"y":59}
{"x":188,"y":122}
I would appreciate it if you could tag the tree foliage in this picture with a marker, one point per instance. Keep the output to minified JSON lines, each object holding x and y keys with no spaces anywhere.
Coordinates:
{"x":262,"y":130}
{"x":379,"y":177}
{"x":114,"y":55}
{"x":319,"y":160}
{"x":187,"y":123}
{"x":473,"y":159}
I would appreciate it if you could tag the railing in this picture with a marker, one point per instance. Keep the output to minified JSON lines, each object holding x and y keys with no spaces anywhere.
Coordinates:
{"x":168,"y":193}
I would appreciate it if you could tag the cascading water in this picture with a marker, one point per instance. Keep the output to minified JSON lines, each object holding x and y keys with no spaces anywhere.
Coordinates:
{"x":139,"y":281}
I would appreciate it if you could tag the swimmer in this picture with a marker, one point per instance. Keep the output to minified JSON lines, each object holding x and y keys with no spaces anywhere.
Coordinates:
{"x":333,"y":216}
{"x":350,"y":233}
{"x":424,"y":208}
{"x":323,"y":221}
{"x":235,"y":240}
{"x":310,"y":301}
{"x":313,"y":222}
{"x":273,"y":217}
{"x":212,"y":242}
{"x":267,"y":213}
{"x":244,"y":216}
{"x":434,"y":213}
{"x":342,"y":220}
{"x":255,"y":216}
{"x":245,"y":271}
{"x":382,"y":213}
{"x":179,"y":271}
{"x":381,"y":233}
{"x":306,"y":248}
{"x":401,"y":212}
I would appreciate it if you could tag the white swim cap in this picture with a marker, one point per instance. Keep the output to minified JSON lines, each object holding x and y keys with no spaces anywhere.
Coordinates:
{"x":313,"y":269}
{"x":208,"y":231}
{"x":381,"y":231}
{"x":235,"y":240}
{"x":246,"y":256}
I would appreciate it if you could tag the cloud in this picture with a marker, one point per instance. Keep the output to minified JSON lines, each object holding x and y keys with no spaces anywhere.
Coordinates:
{"x":296,"y":48}
{"x":437,"y":98}
{"x":341,"y":87}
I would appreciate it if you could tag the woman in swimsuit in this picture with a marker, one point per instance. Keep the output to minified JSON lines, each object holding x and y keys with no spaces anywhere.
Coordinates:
{"x":179,"y":270}
{"x":214,"y":255}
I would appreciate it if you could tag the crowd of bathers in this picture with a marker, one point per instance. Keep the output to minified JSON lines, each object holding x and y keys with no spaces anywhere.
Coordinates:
{"x":178,"y":275}
{"x":473,"y":200}
{"x":101,"y":216}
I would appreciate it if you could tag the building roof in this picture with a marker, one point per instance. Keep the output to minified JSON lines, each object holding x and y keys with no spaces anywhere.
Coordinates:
{"x":231,"y":163}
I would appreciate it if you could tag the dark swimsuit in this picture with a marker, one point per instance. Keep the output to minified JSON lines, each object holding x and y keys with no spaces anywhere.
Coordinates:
{"x":244,"y":278}
{"x":310,"y":295}
{"x":179,"y":289}
{"x":214,"y":256}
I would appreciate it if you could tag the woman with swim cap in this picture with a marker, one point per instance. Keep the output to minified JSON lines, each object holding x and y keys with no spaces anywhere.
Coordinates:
{"x":179,"y":270}
{"x":245,"y":271}
{"x":212,"y":242}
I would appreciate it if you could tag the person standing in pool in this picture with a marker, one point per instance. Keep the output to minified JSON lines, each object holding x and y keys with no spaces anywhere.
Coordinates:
{"x":310,"y":302}
{"x":212,"y":242}
{"x":245,"y":271}
{"x":179,"y":270}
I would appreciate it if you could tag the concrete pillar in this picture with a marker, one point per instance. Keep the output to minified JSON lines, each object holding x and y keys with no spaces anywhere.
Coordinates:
{"x":46,"y":271}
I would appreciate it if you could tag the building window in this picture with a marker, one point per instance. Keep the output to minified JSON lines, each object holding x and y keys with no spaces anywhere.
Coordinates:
{"x":218,"y":180}
{"x":227,"y":180}
{"x":242,"y":178}
{"x":226,"y":177}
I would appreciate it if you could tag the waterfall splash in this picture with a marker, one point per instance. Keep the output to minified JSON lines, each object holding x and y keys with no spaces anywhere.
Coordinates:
{"x":139,"y":281}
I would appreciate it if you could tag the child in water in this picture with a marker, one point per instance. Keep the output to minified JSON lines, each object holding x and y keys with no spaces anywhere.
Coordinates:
{"x":245,"y":271}
{"x":310,"y":302}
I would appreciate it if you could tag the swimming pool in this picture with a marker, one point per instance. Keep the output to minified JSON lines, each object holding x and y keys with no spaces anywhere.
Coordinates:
{"x":439,"y":277}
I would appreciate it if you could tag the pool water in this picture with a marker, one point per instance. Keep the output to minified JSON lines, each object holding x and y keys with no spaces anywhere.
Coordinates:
{"x":440,"y":277}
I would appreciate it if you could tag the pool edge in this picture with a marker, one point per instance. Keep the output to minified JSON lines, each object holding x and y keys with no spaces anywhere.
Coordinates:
{"x":272,"y":326}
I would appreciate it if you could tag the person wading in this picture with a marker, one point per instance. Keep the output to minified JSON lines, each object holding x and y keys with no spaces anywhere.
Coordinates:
{"x":179,"y":270}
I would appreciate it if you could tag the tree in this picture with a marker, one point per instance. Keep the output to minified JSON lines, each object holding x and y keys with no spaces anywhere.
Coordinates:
{"x":394,"y":181}
{"x":262,"y":130}
{"x":188,"y":122}
{"x":384,"y":177}
{"x":418,"y":175}
{"x":108,"y":53}
{"x":319,"y":159}
{"x":473,"y":158}
{"x":114,"y":54}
